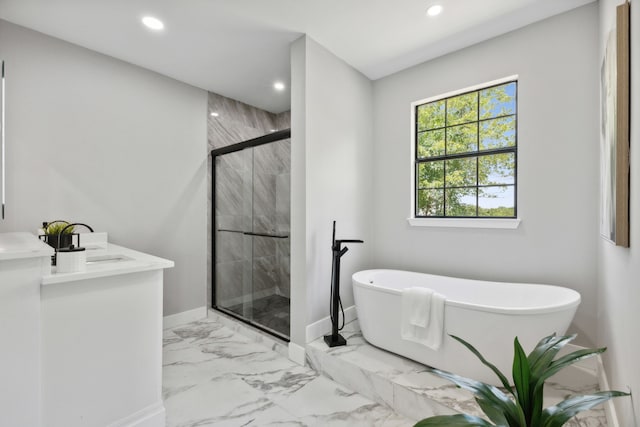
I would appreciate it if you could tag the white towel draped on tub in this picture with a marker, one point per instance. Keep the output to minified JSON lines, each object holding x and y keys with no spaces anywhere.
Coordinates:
{"x":423,"y":316}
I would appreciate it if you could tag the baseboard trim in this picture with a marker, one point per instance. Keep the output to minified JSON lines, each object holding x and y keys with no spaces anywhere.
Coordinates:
{"x":151,"y":416}
{"x":297,"y":353}
{"x":323,"y":326}
{"x":603,"y":383}
{"x":173,"y":320}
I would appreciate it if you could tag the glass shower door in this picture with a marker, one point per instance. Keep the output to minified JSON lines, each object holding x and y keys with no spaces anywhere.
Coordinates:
{"x":251,"y":235}
{"x":232,"y":218}
{"x":270,"y":227}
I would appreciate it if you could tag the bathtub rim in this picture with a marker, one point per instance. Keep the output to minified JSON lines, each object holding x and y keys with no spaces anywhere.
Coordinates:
{"x":516,"y":311}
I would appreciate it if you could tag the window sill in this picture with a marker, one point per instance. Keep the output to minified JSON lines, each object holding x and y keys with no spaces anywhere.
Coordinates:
{"x":506,"y":223}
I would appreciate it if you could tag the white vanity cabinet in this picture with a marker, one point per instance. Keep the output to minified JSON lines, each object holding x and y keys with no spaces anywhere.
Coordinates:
{"x":23,"y":261}
{"x":102,"y":342}
{"x":80,"y":349}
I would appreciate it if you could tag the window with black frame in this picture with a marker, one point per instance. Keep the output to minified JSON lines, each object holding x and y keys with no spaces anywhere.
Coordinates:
{"x":466,"y":154}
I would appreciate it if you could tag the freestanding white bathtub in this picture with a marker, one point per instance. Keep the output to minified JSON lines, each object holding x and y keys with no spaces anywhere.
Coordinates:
{"x":489,"y":315}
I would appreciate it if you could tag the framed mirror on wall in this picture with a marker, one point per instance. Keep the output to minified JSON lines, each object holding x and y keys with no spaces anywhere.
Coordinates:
{"x":614,"y":140}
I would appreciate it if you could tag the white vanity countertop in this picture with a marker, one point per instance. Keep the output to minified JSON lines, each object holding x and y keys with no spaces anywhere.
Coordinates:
{"x":22,"y":245}
{"x":107,"y":259}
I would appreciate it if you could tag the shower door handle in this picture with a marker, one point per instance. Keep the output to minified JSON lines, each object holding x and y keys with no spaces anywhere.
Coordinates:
{"x":251,"y":233}
{"x":275,"y":236}
{"x":231,"y":231}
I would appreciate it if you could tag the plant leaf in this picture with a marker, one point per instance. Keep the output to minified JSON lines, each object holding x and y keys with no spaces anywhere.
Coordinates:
{"x":543,"y":354}
{"x":565,"y":361}
{"x":453,"y":420}
{"x":54,"y":228}
{"x":538,"y":348}
{"x":539,"y":360}
{"x":558,"y":415}
{"x":493,"y":413}
{"x":521,"y":378}
{"x":537,"y":395}
{"x":503,"y":378}
{"x":490,"y":395}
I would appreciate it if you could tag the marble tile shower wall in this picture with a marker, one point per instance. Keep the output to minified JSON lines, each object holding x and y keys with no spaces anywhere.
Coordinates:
{"x":252,"y":193}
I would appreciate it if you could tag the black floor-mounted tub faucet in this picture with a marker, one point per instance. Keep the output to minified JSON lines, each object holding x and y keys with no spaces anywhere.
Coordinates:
{"x":335,"y":339}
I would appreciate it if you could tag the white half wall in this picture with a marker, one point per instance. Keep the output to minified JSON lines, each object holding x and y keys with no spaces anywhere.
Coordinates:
{"x":331,"y":133}
{"x":619,"y":268}
{"x":556,"y":241}
{"x":96,"y":140}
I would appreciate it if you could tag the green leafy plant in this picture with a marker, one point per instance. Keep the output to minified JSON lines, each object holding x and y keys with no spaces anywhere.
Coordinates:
{"x":524,"y":407}
{"x":54,"y":228}
{"x":57,"y":235}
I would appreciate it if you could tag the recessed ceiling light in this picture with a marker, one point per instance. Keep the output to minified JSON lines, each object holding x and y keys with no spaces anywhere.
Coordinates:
{"x":434,"y":10}
{"x":214,"y":114}
{"x":278,"y":86}
{"x":152,"y":23}
{"x":273,"y":130}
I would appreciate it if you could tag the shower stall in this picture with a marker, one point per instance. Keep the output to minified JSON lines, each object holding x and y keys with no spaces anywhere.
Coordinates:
{"x":250,"y":227}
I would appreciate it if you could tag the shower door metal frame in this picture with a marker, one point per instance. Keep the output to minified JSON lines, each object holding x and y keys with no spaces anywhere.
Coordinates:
{"x":255,"y":142}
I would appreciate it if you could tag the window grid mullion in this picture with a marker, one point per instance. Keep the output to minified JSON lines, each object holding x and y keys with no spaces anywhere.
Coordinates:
{"x":417,"y":156}
{"x":468,"y":186}
{"x":477,"y":149}
{"x":504,"y":116}
{"x":504,"y":150}
{"x":444,"y":162}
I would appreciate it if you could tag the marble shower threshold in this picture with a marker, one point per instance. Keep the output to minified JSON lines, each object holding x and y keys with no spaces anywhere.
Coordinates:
{"x":409,"y":389}
{"x":255,"y":335}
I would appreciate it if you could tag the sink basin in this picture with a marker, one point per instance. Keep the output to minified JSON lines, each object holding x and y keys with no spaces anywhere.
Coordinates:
{"x":107,"y":259}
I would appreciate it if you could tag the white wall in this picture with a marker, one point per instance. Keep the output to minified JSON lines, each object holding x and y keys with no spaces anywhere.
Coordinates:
{"x":619,"y":268}
{"x":331,"y":132}
{"x":93,"y":139}
{"x":557,"y":158}
{"x":298,"y":257}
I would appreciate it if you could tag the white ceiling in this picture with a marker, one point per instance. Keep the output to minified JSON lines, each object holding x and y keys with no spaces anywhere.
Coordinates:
{"x":238,"y":48}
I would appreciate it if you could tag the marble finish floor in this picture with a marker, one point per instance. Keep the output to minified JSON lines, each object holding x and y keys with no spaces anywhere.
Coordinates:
{"x":213,"y":376}
{"x":271,"y":312}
